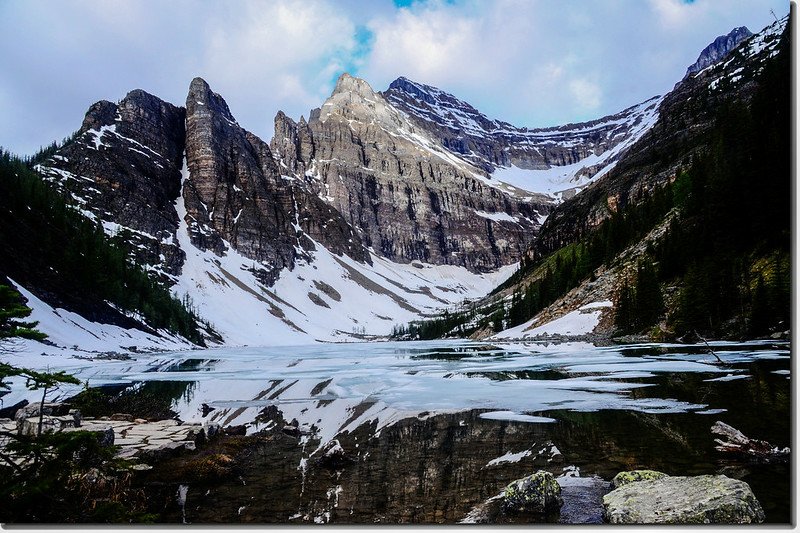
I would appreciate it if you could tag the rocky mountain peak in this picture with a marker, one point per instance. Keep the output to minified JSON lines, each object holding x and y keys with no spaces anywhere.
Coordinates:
{"x":354,"y":100}
{"x":720,"y":48}
{"x":437,"y":100}
{"x":202,"y":99}
{"x":100,"y":114}
{"x":351,"y":85}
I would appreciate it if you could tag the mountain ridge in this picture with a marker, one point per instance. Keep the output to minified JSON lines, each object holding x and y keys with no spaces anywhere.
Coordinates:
{"x":368,"y":186}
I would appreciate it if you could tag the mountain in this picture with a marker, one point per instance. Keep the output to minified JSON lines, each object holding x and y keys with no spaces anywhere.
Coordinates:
{"x":405,"y":195}
{"x":381,"y":208}
{"x":558,"y":161}
{"x":717,"y":50}
{"x":689,"y":232}
{"x":366,"y":202}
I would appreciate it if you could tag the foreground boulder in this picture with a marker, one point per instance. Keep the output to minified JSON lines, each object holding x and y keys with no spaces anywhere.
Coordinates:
{"x":683,"y":500}
{"x":537,"y":493}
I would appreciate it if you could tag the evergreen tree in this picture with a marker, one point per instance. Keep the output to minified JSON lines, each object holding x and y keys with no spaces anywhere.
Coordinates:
{"x":12,"y":310}
{"x":649,"y":302}
{"x":624,"y":317}
{"x":759,"y":309}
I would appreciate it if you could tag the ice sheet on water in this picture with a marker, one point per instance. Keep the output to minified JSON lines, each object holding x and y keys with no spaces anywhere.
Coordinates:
{"x":516,"y":417}
{"x":338,"y":387}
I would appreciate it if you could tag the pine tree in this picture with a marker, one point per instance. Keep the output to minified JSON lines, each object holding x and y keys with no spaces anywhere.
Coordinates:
{"x":12,"y":310}
{"x":759,"y":309}
{"x":624,"y":317}
{"x":649,"y":302}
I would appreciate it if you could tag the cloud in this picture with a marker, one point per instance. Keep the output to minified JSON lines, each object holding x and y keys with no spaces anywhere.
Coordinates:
{"x":546,"y":62}
{"x":277,"y":53}
{"x":587,"y":94}
{"x":530,"y":62}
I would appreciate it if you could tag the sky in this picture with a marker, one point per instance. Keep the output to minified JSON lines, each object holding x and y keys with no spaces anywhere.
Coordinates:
{"x":532,"y":63}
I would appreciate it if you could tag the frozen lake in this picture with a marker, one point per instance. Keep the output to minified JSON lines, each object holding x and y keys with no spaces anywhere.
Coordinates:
{"x":469,"y":415}
{"x":337,"y":387}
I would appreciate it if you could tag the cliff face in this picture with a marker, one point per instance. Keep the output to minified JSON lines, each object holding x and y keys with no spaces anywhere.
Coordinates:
{"x":235,"y":193}
{"x":123,"y":170}
{"x":718,"y":49}
{"x":407,"y":196}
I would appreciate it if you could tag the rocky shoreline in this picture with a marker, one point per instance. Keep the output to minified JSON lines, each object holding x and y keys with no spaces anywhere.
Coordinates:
{"x":420,"y":470}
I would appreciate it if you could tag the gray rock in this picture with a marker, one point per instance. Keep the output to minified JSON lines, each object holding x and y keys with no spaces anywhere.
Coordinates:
{"x":104,"y":433}
{"x":32,"y":410}
{"x":683,"y":500}
{"x":405,"y":201}
{"x":537,"y":493}
{"x":77,"y":417}
{"x":719,"y":49}
{"x":632,"y":476}
{"x":124,"y":165}
{"x":30,"y":426}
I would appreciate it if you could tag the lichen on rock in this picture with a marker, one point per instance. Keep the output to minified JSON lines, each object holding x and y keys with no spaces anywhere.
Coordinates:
{"x":537,"y":493}
{"x":632,"y":476}
{"x":705,"y":499}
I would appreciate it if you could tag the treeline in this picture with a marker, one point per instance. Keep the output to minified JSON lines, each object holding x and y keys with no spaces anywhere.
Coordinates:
{"x":640,"y":303}
{"x":49,"y":243}
{"x":449,"y":324}
{"x":45,"y":152}
{"x":558,"y":273}
{"x":568,"y":267}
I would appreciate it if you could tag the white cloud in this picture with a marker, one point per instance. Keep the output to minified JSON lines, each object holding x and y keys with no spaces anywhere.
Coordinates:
{"x":548,"y":62}
{"x":535,"y":63}
{"x":587,"y":94}
{"x":277,"y":54}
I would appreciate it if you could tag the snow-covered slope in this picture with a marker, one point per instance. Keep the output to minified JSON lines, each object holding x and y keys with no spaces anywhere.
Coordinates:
{"x":325,"y":297}
{"x":581,"y":321}
{"x":560,"y":179}
{"x":543,"y":160}
{"x":74,"y":342}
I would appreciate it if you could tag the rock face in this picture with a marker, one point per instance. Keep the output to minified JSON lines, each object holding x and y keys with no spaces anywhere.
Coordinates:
{"x":234,"y":192}
{"x":717,"y":50}
{"x":537,"y":493}
{"x":583,"y":499}
{"x":406,"y":196}
{"x":123,"y":170}
{"x":684,"y":500}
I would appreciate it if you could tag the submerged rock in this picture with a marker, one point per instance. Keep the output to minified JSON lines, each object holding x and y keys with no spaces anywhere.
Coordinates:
{"x":683,"y":500}
{"x":631,"y":476}
{"x":537,"y":493}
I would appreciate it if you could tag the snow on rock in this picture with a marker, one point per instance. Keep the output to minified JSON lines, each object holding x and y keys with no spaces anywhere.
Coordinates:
{"x":578,"y":322}
{"x":558,"y":179}
{"x":325,"y":298}
{"x":509,"y":457}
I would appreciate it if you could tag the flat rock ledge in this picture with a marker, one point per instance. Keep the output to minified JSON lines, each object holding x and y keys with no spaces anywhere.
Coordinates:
{"x":683,"y":500}
{"x":137,"y":439}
